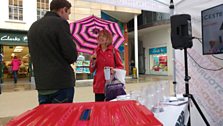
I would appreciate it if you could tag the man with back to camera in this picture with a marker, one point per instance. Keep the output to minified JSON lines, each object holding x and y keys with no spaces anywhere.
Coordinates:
{"x":52,"y":51}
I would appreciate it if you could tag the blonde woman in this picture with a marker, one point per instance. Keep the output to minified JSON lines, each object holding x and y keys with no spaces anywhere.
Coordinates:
{"x":105,"y":56}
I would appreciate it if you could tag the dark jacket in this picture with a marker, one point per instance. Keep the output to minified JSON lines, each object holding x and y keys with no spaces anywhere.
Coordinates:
{"x":52,"y":51}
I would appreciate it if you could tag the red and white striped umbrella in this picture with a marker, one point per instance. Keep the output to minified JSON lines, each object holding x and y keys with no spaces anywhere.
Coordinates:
{"x":85,"y":32}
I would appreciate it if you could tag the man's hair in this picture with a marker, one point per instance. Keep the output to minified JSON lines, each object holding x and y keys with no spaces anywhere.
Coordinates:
{"x":57,"y":4}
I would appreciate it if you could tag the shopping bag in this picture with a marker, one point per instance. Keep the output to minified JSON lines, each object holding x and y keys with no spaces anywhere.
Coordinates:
{"x":120,"y":75}
{"x":114,"y":89}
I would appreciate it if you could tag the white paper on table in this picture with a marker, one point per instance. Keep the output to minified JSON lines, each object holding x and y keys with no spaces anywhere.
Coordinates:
{"x":120,"y":75}
{"x":175,"y":102}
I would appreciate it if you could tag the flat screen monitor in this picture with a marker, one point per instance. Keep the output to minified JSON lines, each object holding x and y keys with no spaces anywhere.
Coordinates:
{"x":212,"y":30}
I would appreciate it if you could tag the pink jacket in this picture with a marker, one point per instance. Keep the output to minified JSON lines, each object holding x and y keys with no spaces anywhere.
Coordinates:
{"x":15,"y":64}
{"x":103,"y":59}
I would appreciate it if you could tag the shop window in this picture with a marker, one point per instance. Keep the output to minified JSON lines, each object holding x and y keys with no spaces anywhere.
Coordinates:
{"x":16,"y":10}
{"x":82,"y":67}
{"x":42,"y":8}
{"x":158,"y":60}
{"x":22,"y":54}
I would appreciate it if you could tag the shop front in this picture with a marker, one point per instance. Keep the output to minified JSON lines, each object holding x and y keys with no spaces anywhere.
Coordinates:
{"x":14,"y":43}
{"x":158,"y":61}
{"x":82,"y":67}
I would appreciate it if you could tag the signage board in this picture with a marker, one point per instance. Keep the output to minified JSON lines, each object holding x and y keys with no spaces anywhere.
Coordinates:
{"x":13,"y":38}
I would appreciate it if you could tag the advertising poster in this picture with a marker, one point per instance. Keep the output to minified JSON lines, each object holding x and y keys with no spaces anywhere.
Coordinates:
{"x":212,"y":30}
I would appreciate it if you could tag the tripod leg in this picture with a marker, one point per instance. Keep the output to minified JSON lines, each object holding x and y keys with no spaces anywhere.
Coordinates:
{"x":199,"y":110}
{"x":189,"y":120}
{"x":190,"y":96}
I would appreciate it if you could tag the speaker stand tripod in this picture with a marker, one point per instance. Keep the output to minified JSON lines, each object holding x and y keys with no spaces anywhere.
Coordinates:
{"x":187,"y":93}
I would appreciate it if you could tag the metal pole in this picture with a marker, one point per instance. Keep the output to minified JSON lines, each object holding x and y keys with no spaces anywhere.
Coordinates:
{"x":186,"y":79}
{"x":136,"y":44}
{"x":173,"y":53}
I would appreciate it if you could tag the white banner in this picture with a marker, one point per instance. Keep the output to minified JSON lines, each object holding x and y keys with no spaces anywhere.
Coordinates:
{"x":150,"y":5}
{"x":205,"y":85}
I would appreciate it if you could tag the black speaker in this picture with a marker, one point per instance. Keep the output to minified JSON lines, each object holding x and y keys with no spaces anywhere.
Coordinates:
{"x":181,"y":32}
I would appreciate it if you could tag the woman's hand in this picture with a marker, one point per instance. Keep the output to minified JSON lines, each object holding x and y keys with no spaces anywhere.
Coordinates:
{"x":93,"y":57}
{"x":112,"y":70}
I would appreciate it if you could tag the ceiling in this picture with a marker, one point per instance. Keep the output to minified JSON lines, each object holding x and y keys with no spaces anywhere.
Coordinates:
{"x":126,"y":17}
{"x":121,"y":16}
{"x":148,"y":29}
{"x":168,"y":1}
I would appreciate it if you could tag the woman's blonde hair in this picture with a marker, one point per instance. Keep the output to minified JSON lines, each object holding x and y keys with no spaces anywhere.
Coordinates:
{"x":105,"y":33}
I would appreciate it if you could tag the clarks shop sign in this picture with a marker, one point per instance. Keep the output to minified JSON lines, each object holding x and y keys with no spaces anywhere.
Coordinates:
{"x":11,"y":38}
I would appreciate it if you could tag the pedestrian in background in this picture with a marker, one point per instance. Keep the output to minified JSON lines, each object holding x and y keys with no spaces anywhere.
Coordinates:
{"x":105,"y":56}
{"x":1,"y":68}
{"x":15,"y":64}
{"x":52,"y":53}
{"x":132,"y":65}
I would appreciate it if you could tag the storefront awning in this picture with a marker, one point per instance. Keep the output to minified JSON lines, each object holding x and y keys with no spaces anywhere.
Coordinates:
{"x":13,"y":38}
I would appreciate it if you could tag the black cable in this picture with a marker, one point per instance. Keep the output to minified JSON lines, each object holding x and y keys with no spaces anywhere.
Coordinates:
{"x":199,"y":39}
{"x":217,"y":57}
{"x":203,"y":67}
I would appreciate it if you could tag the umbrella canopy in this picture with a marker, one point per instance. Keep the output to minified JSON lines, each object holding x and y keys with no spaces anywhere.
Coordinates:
{"x":85,"y":32}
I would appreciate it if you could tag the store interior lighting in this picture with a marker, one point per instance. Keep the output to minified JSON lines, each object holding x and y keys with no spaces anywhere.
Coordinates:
{"x":13,"y":54}
{"x":18,"y":49}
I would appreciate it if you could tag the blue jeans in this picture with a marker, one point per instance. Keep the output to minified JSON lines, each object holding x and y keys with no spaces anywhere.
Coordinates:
{"x":61,"y":96}
{"x":15,"y":75}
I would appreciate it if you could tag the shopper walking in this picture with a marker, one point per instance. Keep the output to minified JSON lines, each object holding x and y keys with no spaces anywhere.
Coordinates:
{"x":2,"y":66}
{"x":105,"y":56}
{"x":52,"y":51}
{"x":15,"y":64}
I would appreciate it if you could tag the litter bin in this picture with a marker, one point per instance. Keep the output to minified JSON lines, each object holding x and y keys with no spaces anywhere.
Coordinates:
{"x":134,"y":73}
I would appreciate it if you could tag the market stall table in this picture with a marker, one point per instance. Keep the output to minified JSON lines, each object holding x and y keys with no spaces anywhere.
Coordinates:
{"x":117,"y":113}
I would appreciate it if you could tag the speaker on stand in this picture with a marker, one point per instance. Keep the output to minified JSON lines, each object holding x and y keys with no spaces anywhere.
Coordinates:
{"x":181,"y":32}
{"x":181,"y":38}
